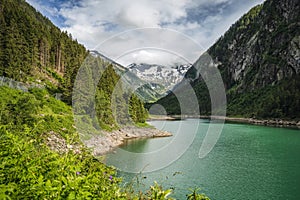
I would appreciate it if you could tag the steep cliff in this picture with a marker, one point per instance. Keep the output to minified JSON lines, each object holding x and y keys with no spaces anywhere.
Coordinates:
{"x":262,"y":48}
{"x":259,"y":60}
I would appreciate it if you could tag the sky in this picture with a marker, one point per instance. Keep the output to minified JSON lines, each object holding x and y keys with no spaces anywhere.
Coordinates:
{"x":145,"y":31}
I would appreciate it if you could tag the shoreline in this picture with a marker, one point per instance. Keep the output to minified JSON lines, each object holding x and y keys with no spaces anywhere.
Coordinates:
{"x":266,"y":122}
{"x":109,"y":141}
{"x":263,"y":122}
{"x":280,"y":123}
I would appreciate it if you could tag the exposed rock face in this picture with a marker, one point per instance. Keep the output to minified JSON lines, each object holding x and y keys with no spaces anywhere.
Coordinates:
{"x":259,"y":61}
{"x":262,"y":48}
{"x":164,"y":76}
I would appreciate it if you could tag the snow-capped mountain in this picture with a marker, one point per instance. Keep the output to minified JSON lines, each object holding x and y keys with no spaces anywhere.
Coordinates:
{"x":164,"y":76}
{"x":148,"y":92}
{"x":156,"y":80}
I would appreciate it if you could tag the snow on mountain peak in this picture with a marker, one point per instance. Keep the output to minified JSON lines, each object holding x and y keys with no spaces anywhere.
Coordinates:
{"x":159,"y":74}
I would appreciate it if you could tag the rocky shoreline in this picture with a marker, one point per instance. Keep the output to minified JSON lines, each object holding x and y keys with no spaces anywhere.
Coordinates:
{"x":163,"y":117}
{"x":108,"y":141}
{"x":264,"y":122}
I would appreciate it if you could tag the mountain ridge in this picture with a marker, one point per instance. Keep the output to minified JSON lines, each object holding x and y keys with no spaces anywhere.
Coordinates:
{"x":162,"y":78}
{"x":258,"y":58}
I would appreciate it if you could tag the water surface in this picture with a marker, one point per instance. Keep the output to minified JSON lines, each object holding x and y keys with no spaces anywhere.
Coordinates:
{"x":248,"y":162}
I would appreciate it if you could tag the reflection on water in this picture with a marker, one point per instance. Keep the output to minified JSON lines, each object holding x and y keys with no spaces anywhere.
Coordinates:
{"x":135,"y":145}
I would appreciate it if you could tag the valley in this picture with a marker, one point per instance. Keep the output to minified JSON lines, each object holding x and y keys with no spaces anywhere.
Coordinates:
{"x":77,"y":124}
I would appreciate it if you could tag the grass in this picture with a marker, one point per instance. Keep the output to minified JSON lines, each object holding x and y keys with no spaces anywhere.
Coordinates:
{"x":144,"y":125}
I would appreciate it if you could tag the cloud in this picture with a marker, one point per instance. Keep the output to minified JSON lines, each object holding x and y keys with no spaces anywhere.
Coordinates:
{"x":95,"y":23}
{"x":47,"y":9}
{"x":151,"y":56}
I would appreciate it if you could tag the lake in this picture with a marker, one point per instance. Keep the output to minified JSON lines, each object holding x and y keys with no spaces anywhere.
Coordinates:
{"x":247,"y":162}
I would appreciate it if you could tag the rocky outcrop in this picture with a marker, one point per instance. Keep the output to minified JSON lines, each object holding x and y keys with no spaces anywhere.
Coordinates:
{"x":9,"y":82}
{"x":261,"y":48}
{"x":259,"y":61}
{"x":57,"y":143}
{"x":102,"y":144}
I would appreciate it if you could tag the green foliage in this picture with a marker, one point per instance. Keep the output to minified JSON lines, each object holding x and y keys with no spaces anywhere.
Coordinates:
{"x":155,"y":192}
{"x":111,"y":102}
{"x":30,"y":170}
{"x":274,"y":101}
{"x":172,"y":105}
{"x":249,"y":18}
{"x":106,"y":87}
{"x":35,"y":172}
{"x":194,"y":195}
{"x":32,"y":48}
{"x":277,"y":101}
{"x":137,"y":111}
{"x":17,"y":107}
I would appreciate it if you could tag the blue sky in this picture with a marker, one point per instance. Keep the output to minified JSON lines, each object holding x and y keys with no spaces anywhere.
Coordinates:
{"x":95,"y":22}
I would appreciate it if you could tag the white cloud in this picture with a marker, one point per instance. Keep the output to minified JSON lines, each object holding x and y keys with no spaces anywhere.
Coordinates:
{"x":139,"y":15}
{"x":45,"y":9}
{"x":151,"y":56}
{"x":94,"y":22}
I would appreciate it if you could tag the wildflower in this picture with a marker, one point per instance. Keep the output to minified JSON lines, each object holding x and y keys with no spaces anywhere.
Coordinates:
{"x":110,"y":177}
{"x":77,"y":173}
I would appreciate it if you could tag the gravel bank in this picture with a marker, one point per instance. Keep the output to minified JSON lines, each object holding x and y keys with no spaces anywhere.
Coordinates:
{"x":102,"y":144}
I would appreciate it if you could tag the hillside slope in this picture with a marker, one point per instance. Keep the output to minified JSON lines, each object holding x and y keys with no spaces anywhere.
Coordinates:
{"x":32,"y":49}
{"x":259,"y":60}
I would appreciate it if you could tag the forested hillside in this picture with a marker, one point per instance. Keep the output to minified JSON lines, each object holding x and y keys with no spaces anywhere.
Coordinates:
{"x":41,"y":155}
{"x":34,"y":50}
{"x":259,"y":60}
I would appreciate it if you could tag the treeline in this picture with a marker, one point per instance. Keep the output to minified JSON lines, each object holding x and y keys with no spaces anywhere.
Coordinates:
{"x":114,"y":105}
{"x":33,"y":49}
{"x":100,"y":94}
{"x":274,"y":101}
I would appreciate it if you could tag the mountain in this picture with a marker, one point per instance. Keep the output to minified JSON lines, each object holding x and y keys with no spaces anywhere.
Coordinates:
{"x":146,"y":91}
{"x":259,"y":61}
{"x":162,"y":78}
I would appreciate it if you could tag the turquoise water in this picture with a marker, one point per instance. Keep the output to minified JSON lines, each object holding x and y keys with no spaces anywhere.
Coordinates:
{"x":247,"y":162}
